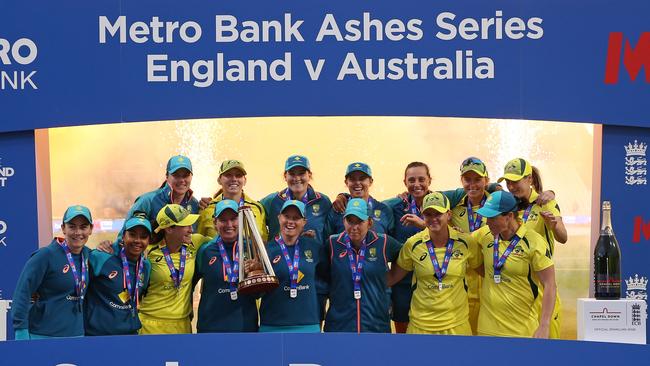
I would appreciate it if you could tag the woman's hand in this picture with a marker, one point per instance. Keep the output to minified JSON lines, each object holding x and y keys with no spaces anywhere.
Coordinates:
{"x":412,"y":220}
{"x":542,"y":331}
{"x":309,"y":233}
{"x":105,"y":246}
{"x":339,"y":203}
{"x":545,"y":197}
{"x":204,"y":202}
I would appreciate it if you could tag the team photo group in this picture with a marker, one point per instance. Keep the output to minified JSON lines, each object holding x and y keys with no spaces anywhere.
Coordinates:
{"x":475,"y":260}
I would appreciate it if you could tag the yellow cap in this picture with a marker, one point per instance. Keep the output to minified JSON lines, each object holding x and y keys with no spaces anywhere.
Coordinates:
{"x":174,"y":215}
{"x":516,"y":169}
{"x":436,"y":201}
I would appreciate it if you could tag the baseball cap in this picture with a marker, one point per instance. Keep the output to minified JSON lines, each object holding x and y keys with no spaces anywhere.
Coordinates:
{"x":358,"y":167}
{"x":178,"y":162}
{"x":436,"y":201}
{"x":226,"y":165}
{"x":298,"y":204}
{"x":499,"y":202}
{"x":137,"y":221}
{"x":174,"y":215}
{"x":296,"y":160}
{"x":225,"y":205}
{"x":516,"y":169}
{"x":473,"y":164}
{"x":77,"y":210}
{"x":357,"y":207}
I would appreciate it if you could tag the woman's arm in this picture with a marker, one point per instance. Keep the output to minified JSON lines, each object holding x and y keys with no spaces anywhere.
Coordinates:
{"x":547,"y":277}
{"x":395,"y":274}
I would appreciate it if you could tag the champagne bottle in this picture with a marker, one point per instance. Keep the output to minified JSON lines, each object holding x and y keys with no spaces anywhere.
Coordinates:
{"x":607,"y":259}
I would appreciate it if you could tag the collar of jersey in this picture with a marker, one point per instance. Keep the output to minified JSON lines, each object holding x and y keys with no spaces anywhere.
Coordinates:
{"x":371,"y":237}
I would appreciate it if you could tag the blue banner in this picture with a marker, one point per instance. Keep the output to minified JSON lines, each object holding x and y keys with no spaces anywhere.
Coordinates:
{"x":300,"y":350}
{"x":625,"y":184}
{"x":113,"y":61}
{"x":18,"y":217}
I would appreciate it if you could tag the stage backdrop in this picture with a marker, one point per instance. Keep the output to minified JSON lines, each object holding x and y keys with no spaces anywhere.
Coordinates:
{"x":79,"y":62}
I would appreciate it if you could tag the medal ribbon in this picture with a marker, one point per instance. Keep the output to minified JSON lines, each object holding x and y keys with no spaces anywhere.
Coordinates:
{"x":356,"y":265}
{"x":413,"y":208}
{"x":133,"y":292}
{"x":474,"y":223}
{"x":440,"y":272}
{"x":79,"y":283}
{"x":177,"y":276}
{"x":293,"y":267}
{"x":499,"y":262}
{"x":289,"y":195}
{"x":527,"y":212}
{"x":231,"y":271}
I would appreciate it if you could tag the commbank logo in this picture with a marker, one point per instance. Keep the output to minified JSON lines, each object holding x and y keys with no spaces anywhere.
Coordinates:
{"x":641,"y":228}
{"x":634,"y":58}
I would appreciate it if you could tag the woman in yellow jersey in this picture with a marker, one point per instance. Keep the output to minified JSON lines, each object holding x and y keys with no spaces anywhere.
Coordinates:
{"x":474,"y":180}
{"x":438,"y":256}
{"x":232,"y":179}
{"x":524,"y":182}
{"x":167,"y":304}
{"x":512,"y":254}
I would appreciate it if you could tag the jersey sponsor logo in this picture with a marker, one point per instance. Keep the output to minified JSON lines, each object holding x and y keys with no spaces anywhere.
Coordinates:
{"x":634,"y":57}
{"x":66,"y":268}
{"x":212,"y":260}
{"x":423,"y":256}
{"x":112,"y":275}
{"x":518,"y":251}
{"x":308,"y":256}
{"x":342,"y":254}
{"x":276,"y":259}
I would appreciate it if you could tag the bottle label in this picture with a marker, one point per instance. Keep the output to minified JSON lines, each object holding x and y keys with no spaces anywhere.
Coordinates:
{"x":606,"y":283}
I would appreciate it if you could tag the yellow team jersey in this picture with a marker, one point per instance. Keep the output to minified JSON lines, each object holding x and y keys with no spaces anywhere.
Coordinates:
{"x":206,"y":221}
{"x":162,"y":299}
{"x":431,"y":309}
{"x":507,"y":308}
{"x":460,"y":219}
{"x":536,"y":222}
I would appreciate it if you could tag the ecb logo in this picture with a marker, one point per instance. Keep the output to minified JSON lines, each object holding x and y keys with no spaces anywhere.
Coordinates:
{"x":5,"y":173}
{"x":3,"y":229}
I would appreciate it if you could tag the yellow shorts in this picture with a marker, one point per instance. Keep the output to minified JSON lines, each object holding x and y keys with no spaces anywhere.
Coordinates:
{"x":463,"y":329}
{"x":474,"y":306}
{"x":151,"y":325}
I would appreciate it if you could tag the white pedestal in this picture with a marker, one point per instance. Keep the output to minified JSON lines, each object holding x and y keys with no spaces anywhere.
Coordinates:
{"x":4,"y":307}
{"x":618,"y":321}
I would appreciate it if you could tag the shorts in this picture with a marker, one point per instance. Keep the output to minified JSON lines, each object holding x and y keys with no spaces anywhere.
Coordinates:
{"x":401,"y":300}
{"x":463,"y":329}
{"x":151,"y":325}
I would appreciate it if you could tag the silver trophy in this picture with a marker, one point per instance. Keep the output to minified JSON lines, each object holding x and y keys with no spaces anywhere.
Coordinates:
{"x":256,"y":275}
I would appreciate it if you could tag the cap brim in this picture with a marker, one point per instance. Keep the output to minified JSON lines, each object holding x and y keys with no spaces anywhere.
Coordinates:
{"x":358,"y":215}
{"x":482,"y":174}
{"x":358,"y":170}
{"x":293,"y":205}
{"x":488,"y":212}
{"x":136,"y":225}
{"x":512,"y":177}
{"x":295,"y":165}
{"x":437,"y":208}
{"x":235,"y":167}
{"x":85,"y":216}
{"x":218,"y":213}
{"x":189,"y":220}
{"x":174,"y":170}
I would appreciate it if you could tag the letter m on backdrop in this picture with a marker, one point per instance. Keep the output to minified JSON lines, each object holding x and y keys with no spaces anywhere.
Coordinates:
{"x":640,"y":227}
{"x":634,"y":58}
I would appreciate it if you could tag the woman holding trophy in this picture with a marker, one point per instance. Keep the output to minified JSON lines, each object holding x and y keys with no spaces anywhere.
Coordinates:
{"x":221,"y":308}
{"x":293,"y":306}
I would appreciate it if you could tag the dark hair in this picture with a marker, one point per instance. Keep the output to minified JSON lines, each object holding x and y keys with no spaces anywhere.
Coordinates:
{"x":164,"y":183}
{"x":417,"y":164}
{"x":537,"y":180}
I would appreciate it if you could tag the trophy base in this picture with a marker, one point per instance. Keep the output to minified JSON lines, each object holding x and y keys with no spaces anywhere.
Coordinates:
{"x":257,"y":284}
